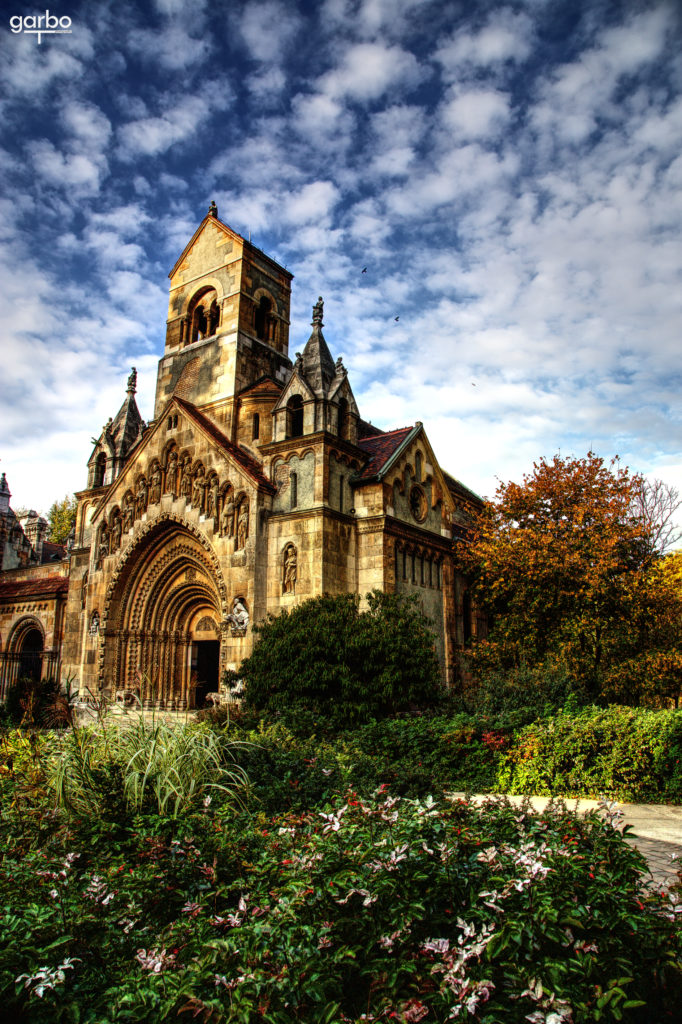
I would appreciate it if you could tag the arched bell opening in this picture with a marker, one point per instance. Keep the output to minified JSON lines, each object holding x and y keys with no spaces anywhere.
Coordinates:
{"x":170,"y":582}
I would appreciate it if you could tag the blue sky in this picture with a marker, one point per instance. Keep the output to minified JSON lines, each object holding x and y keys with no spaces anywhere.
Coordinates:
{"x":509,"y":173}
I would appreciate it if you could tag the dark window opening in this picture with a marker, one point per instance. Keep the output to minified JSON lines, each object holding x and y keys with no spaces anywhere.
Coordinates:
{"x":343,"y":418}
{"x":295,"y":416}
{"x":263,"y":320}
{"x":293,"y":483}
{"x":466,"y":616}
{"x":100,"y":469}
{"x":255,"y":427}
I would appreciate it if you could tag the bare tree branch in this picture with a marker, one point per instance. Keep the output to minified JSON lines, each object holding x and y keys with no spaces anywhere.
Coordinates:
{"x":657,"y":505}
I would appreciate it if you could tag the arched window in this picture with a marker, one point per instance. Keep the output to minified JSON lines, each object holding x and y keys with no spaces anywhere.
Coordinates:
{"x":100,"y":470}
{"x":343,"y":418}
{"x":255,"y":426}
{"x":263,"y":320}
{"x":204,"y":316}
{"x":295,"y":416}
{"x":466,"y":616}
{"x":293,"y":489}
{"x":198,"y":330}
{"x":418,"y":467}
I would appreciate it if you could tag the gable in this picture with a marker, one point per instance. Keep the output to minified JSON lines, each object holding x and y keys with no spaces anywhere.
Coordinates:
{"x":193,"y":434}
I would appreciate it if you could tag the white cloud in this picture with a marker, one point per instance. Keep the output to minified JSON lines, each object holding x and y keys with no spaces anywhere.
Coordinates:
{"x":476,"y":113}
{"x":182,"y":119}
{"x":368,"y":70}
{"x":268,"y":29}
{"x":70,"y":171}
{"x":86,"y":122}
{"x":506,"y":37}
{"x":172,"y":47}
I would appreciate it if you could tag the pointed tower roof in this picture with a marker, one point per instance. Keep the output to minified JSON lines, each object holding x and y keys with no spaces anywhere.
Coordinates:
{"x":125,"y":427}
{"x":5,"y":495}
{"x":318,"y":366}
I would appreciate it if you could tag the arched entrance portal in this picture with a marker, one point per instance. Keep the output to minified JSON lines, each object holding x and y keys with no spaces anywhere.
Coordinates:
{"x":164,"y":594}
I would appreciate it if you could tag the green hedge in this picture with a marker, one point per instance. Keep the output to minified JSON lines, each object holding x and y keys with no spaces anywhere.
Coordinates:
{"x":623,"y":753}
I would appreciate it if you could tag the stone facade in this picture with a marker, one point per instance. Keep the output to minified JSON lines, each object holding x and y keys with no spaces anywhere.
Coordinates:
{"x":256,"y":485}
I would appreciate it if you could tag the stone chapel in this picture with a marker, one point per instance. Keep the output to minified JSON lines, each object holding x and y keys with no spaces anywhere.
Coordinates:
{"x":256,"y":484}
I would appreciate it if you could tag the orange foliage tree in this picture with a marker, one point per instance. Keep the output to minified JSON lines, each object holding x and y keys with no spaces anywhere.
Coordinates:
{"x":565,"y":567}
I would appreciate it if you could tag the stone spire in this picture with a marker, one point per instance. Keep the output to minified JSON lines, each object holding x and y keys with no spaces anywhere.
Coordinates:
{"x":5,"y":495}
{"x":318,"y":366}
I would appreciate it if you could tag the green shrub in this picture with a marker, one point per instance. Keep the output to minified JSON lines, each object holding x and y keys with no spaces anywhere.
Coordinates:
{"x":328,"y":660}
{"x":625,"y":753}
{"x":375,"y":909}
{"x":113,"y":769}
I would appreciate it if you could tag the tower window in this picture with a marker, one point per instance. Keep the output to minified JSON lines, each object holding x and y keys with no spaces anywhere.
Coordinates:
{"x":293,"y":484}
{"x":343,"y":418}
{"x":295,"y":416}
{"x":100,"y":469}
{"x":255,"y":426}
{"x":263,"y":320}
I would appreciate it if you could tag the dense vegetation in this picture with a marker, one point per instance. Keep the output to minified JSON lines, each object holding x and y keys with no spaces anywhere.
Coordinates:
{"x":329,"y":659}
{"x":569,"y":566}
{"x":142,"y":879}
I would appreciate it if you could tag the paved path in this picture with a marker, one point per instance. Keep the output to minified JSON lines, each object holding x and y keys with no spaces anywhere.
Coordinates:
{"x":656,"y":830}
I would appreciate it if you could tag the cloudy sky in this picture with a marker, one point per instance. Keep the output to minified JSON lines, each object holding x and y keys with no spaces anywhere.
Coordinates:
{"x":510,"y":173}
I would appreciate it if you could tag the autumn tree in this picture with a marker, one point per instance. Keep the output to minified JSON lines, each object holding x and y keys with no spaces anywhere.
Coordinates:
{"x":566,"y":566}
{"x":61,"y":518}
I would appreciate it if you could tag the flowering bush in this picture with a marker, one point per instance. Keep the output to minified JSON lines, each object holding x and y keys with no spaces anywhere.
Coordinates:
{"x":368,"y":909}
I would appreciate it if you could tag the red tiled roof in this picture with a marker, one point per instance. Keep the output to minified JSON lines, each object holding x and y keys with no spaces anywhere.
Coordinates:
{"x":246,"y":461}
{"x":380,"y":449}
{"x":46,"y":587}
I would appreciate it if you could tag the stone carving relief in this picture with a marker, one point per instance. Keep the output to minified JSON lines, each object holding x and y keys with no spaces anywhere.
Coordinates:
{"x":172,"y":473}
{"x":199,"y":490}
{"x":186,"y":479}
{"x":141,"y":496}
{"x":290,"y":570}
{"x":242,"y":524}
{"x":103,"y":546}
{"x":128,"y":512}
{"x":206,"y":625}
{"x":116,"y":531}
{"x":94,"y":624}
{"x":155,"y":483}
{"x":227,"y":517}
{"x":238,"y":618}
{"x":212,"y":498}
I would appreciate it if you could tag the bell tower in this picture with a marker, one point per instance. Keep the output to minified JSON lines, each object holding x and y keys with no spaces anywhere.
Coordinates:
{"x":228,"y":321}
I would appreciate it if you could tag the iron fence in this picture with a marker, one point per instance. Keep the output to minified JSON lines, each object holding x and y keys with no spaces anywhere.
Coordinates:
{"x":15,"y":665}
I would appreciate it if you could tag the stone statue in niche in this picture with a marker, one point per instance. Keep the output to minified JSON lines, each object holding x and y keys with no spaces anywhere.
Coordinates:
{"x":141,"y":498}
{"x":84,"y":588}
{"x":238,"y":618}
{"x":128,"y":512}
{"x":172,"y":473}
{"x":116,"y":531}
{"x":199,"y":490}
{"x":227,"y":518}
{"x":94,"y":624}
{"x":243,"y":524}
{"x":103,"y":546}
{"x":155,"y":485}
{"x":290,"y":570}
{"x":212,"y":498}
{"x":186,"y":479}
